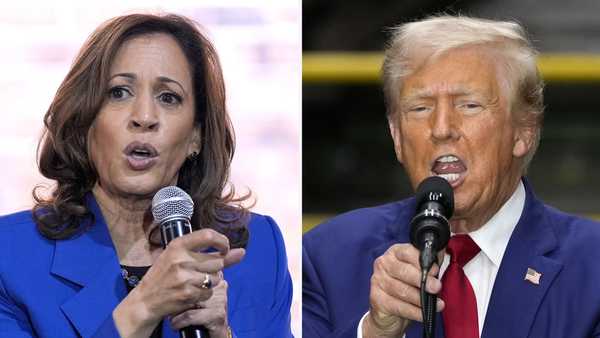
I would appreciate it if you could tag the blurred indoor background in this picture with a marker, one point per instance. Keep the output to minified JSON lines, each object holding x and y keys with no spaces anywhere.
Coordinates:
{"x":259,"y":45}
{"x":348,"y":159}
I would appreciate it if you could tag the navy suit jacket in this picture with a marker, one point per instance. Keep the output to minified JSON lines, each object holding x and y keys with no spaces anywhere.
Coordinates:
{"x":69,"y":288}
{"x":338,"y":257}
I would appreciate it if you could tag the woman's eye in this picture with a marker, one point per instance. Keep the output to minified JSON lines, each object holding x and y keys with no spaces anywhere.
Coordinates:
{"x":118,"y":93}
{"x":170,"y":98}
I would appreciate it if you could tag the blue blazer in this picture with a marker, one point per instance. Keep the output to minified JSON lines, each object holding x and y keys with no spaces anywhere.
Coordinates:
{"x":69,"y":288}
{"x":338,"y":257}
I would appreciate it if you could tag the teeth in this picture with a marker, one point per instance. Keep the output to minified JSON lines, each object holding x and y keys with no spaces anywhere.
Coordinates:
{"x":140,"y":153}
{"x":448,"y":158}
{"x":449,"y":177}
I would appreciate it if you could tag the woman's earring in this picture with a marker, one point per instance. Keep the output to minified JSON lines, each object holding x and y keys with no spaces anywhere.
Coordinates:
{"x":192,"y":156}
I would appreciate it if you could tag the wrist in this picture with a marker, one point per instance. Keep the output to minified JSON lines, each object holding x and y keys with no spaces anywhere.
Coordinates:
{"x":225,"y":332}
{"x":381,"y":326}
{"x":132,"y":317}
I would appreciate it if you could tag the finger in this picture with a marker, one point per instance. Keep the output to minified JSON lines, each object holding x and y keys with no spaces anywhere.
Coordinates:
{"x":398,"y":290}
{"x":200,"y":278}
{"x":205,"y":317}
{"x":204,"y":239}
{"x":390,"y":305}
{"x":406,"y":272}
{"x":234,"y":256}
{"x":440,"y":305}
{"x":435,"y":268}
{"x":207,"y":262}
{"x":440,"y":255}
{"x":218,"y":298}
{"x":399,"y":270}
{"x":406,"y":253}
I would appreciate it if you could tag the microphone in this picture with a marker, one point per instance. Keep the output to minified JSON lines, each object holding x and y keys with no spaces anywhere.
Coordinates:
{"x":172,"y":209}
{"x":430,"y":232}
{"x":429,"y":229}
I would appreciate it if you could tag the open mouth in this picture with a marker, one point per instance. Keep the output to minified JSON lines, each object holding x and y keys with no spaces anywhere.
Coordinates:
{"x":140,"y":156}
{"x":449,"y":167}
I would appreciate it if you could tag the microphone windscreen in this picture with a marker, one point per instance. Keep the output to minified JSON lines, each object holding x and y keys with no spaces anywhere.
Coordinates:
{"x":436,"y":189}
{"x":171,"y":202}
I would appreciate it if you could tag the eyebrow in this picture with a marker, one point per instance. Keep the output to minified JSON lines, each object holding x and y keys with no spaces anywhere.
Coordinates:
{"x":163,"y":79}
{"x":424,"y":93}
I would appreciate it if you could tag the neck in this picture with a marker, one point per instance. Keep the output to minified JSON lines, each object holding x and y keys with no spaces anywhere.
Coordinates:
{"x":129,"y":220}
{"x":474,"y":221}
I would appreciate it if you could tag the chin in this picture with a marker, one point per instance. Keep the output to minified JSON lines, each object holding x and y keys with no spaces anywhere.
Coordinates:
{"x":141,"y":186}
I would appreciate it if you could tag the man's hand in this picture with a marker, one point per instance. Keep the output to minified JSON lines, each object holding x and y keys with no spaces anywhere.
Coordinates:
{"x":395,"y":292}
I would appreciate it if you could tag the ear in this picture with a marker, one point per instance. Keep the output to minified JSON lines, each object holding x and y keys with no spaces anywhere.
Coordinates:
{"x":396,"y":136}
{"x":196,"y":143}
{"x":523,"y":141}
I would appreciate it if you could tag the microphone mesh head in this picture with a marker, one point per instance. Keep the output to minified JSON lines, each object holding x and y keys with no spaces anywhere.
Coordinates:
{"x":171,"y":202}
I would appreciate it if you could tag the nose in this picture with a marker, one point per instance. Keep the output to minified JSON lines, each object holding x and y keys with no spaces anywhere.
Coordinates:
{"x":144,"y":116}
{"x":443,"y":122}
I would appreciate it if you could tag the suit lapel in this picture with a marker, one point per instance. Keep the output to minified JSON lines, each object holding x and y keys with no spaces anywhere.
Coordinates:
{"x":514,"y":300}
{"x":397,"y":231}
{"x":90,"y":261}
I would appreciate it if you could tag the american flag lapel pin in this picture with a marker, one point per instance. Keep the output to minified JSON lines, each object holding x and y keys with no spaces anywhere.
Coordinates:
{"x":533,"y":276}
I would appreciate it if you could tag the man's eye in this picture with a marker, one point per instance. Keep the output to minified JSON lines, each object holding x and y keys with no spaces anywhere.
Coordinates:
{"x":419,"y":110}
{"x":470,"y":107}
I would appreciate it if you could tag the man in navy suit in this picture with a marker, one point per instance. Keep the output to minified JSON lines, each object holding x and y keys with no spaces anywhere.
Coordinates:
{"x":464,"y":101}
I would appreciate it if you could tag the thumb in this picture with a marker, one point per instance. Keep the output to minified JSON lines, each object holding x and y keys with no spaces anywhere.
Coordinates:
{"x":234,"y":256}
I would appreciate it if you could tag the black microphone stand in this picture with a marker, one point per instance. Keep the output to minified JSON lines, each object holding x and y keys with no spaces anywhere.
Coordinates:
{"x":430,"y":232}
{"x":428,"y":301}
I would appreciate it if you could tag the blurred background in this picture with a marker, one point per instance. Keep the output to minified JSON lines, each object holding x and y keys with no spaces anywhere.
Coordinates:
{"x":260,"y":50}
{"x":348,"y":158}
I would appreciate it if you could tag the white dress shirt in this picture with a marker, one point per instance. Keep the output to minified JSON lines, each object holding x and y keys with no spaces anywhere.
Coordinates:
{"x":492,"y":238}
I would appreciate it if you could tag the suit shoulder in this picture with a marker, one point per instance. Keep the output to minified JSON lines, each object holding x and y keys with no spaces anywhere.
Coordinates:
{"x":265,"y":236}
{"x":566,"y":222}
{"x":20,"y":225}
{"x":575,"y":231}
{"x":359,"y":224}
{"x":264,"y":225}
{"x":15,"y":219}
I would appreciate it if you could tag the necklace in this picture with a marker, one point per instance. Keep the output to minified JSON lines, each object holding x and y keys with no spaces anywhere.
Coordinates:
{"x":132,"y":280}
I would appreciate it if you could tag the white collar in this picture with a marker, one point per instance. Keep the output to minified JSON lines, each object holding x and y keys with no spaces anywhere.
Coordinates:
{"x":492,"y":238}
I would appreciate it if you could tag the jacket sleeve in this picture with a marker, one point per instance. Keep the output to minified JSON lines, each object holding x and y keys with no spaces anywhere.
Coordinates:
{"x":13,"y":320}
{"x":107,"y":329}
{"x":279,"y":324}
{"x":315,"y":315}
{"x":316,"y":322}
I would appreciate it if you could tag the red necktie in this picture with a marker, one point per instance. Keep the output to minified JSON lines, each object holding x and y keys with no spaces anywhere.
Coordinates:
{"x":460,"y":313}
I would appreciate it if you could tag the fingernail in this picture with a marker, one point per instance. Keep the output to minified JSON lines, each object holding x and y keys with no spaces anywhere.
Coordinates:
{"x":439,"y":306}
{"x":434,"y":285}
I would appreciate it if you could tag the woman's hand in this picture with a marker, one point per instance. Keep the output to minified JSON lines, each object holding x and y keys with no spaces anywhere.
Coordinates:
{"x":211,"y":313}
{"x":174,"y":283}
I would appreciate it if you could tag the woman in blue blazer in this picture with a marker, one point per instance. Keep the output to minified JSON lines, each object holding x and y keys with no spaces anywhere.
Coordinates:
{"x":143,"y":107}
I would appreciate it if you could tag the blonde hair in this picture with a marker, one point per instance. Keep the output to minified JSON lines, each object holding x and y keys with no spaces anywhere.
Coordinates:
{"x":414,"y":43}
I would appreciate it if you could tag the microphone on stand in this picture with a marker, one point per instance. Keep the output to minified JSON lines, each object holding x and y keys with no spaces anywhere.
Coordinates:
{"x":172,"y":209}
{"x":430,"y":232}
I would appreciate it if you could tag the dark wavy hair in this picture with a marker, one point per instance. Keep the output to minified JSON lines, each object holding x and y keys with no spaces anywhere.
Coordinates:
{"x":62,"y":150}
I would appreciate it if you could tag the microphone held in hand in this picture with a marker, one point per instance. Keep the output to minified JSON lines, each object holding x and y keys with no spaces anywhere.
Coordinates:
{"x":172,"y":209}
{"x":430,"y":232}
{"x":429,"y":229}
